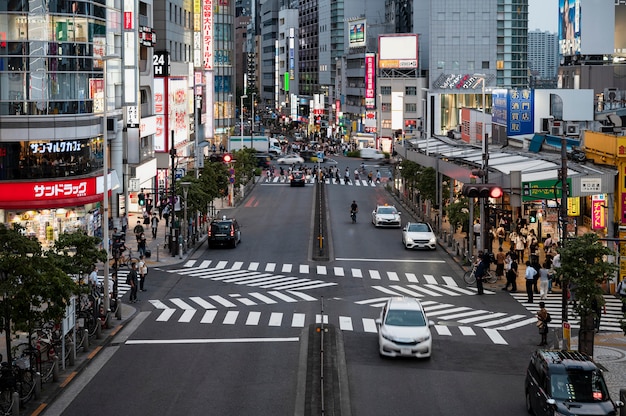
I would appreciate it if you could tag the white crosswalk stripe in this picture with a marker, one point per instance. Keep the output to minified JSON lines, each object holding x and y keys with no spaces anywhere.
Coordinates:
{"x":275,"y":180}
{"x":300,"y":320}
{"x":238,"y":272}
{"x":609,"y":319}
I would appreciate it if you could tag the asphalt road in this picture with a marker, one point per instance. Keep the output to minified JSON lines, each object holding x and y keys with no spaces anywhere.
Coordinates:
{"x":221,"y":334}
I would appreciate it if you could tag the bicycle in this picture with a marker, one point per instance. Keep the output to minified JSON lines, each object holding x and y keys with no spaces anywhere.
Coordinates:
{"x":124,"y":260}
{"x":470,"y":276}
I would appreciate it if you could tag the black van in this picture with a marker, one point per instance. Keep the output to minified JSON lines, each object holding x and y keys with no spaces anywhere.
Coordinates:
{"x":224,"y":232}
{"x":566,"y":383}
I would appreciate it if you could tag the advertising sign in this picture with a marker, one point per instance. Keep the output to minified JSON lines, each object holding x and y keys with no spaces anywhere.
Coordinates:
{"x":49,"y":193}
{"x":398,"y":51}
{"x":159,"y":111}
{"x":598,"y":220}
{"x":370,"y":80}
{"x":520,"y":110}
{"x":547,"y":189}
{"x":569,"y":27}
{"x":177,"y":109}
{"x":207,"y":34}
{"x":356,"y":30}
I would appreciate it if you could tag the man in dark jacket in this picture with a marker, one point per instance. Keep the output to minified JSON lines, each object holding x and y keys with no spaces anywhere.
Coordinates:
{"x":133,"y":281}
{"x":481,"y":271}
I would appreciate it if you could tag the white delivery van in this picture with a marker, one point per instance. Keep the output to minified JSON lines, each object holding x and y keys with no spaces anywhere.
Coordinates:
{"x":371,"y":153}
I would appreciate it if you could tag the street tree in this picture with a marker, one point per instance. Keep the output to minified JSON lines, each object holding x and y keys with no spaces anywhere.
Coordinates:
{"x":76,"y":253}
{"x":584,"y":268}
{"x":33,"y":288}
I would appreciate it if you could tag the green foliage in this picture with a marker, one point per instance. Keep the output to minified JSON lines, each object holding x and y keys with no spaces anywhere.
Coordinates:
{"x":458,"y":213}
{"x":34,"y":288}
{"x":584,"y":264}
{"x":245,"y":163}
{"x":76,"y":253}
{"x":354,"y":153}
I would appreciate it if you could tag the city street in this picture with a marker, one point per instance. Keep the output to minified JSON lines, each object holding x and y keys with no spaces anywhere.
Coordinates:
{"x":221,"y":332}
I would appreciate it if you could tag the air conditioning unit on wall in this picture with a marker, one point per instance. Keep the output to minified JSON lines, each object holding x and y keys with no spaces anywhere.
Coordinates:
{"x":556,"y":128}
{"x":572,"y":129}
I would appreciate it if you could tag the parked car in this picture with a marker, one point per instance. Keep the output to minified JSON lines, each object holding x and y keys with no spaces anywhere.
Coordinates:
{"x":224,"y":232}
{"x":404,"y":329}
{"x":419,"y":235}
{"x":297,"y":178}
{"x":290,"y":159}
{"x":386,"y":216}
{"x":567,"y":383}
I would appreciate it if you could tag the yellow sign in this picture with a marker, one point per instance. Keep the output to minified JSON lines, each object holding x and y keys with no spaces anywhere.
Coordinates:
{"x":573,"y":207}
{"x":567,"y":336}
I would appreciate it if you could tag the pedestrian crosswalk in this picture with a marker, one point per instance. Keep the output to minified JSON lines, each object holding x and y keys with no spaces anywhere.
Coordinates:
{"x":311,"y":180}
{"x":609,"y":319}
{"x":262,"y":275}
{"x":122,"y":287}
{"x":205,"y":311}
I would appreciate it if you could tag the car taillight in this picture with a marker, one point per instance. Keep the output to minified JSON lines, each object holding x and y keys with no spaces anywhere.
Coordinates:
{"x":232,"y":230}
{"x":210,"y":231}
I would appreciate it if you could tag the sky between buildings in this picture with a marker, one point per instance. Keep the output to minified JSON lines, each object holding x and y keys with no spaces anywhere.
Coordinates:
{"x":543,"y":15}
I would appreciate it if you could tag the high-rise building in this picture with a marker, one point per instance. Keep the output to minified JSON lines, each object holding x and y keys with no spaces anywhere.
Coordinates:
{"x":543,"y":57}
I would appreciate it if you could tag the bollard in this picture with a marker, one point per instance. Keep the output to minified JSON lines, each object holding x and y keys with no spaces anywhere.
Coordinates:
{"x":55,"y":368}
{"x":180,"y":249}
{"x":118,"y":309}
{"x":98,"y":329}
{"x":37,"y":387}
{"x":86,"y":340}
{"x":15,"y":404}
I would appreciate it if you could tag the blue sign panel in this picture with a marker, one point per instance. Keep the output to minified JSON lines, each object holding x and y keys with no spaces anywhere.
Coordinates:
{"x":520,"y":110}
{"x":500,"y":105}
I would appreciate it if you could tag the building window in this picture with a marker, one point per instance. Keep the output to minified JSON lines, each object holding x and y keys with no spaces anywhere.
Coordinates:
{"x":440,"y":64}
{"x":385,"y":107}
{"x":410,"y":90}
{"x":385,"y":90}
{"x":485,"y":65}
{"x":410,"y":107}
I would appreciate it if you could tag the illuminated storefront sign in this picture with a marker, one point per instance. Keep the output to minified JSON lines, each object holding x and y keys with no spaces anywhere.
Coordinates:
{"x":207,"y":34}
{"x":370,"y":80}
{"x":597,"y":212}
{"x":49,"y":194}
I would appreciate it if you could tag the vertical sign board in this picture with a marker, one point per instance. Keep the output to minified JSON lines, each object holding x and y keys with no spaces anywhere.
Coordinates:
{"x":207,"y":34}
{"x":130,"y":53}
{"x":598,"y":220}
{"x":370,"y":81}
{"x":397,"y":110}
{"x":160,"y":138}
{"x":197,"y":33}
{"x":292,"y":53}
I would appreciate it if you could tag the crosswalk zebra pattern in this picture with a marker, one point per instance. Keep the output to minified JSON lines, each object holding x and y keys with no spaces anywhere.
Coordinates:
{"x":250,"y":277}
{"x":239,"y":272}
{"x":609,"y":320}
{"x":122,"y":287}
{"x":311,"y":180}
{"x":206,"y":313}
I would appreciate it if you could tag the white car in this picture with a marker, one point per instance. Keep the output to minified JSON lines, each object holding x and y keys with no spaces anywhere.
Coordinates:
{"x":386,"y":216}
{"x":419,"y":235}
{"x":291,"y":159}
{"x":404,"y":329}
{"x":370,"y":153}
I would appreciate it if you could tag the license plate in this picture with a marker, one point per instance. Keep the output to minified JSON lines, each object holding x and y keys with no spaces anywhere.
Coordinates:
{"x":220,"y":235}
{"x":405,"y":351}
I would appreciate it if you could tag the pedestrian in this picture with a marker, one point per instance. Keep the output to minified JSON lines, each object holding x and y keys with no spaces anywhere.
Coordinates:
{"x":556,"y":263}
{"x":543,"y":318}
{"x":93,"y":277}
{"x":378,"y":176}
{"x":124,"y":222}
{"x":141,"y":244}
{"x":155,"y":225}
{"x":500,"y":260}
{"x":520,"y":245}
{"x":597,"y":306}
{"x":621,"y":292}
{"x":476,"y":232}
{"x":544,"y":280}
{"x":547,"y":243}
{"x":481,"y":271}
{"x":534,"y":263}
{"x":132,"y":280}
{"x":166,"y":214}
{"x":143,"y":272}
{"x":138,"y":230}
{"x":511,"y":274}
{"x":530,"y":277}
{"x":500,"y":233}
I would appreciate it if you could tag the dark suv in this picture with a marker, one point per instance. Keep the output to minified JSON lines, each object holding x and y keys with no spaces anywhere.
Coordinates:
{"x":566,"y":383}
{"x":224,"y":232}
{"x":297,"y":178}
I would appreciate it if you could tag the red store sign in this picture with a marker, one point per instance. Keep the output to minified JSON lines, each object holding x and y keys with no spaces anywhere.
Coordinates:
{"x":49,"y":194}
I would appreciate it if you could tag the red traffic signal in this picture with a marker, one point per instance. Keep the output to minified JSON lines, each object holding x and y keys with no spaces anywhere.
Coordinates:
{"x":482,"y":190}
{"x":227,"y":158}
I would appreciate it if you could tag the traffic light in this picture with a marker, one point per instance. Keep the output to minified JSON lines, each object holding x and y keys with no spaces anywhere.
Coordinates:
{"x":227,"y":158}
{"x":482,"y":190}
{"x":142,"y":199}
{"x":532,"y":218}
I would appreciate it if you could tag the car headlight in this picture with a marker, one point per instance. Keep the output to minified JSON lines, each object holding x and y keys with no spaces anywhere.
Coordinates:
{"x":433,"y":240}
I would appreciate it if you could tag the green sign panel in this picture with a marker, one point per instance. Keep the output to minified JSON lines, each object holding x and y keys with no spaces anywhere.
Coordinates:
{"x":549,"y":189}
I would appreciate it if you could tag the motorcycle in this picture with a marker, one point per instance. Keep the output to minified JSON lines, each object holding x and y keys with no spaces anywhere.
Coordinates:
{"x":353,"y":216}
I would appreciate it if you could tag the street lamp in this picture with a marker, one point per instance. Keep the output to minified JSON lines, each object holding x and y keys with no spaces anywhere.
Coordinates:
{"x":484,"y":167}
{"x":185,"y":186}
{"x":241,"y":117}
{"x":105,"y":182}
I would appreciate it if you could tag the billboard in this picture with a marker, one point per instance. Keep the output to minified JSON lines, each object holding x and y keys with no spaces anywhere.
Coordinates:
{"x":370,"y":80}
{"x":586,"y":27}
{"x":620,"y":28}
{"x":356,"y":31}
{"x":398,"y":51}
{"x":515,"y":110}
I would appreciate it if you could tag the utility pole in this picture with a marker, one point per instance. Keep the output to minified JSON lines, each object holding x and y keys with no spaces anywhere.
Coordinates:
{"x":563,"y":221}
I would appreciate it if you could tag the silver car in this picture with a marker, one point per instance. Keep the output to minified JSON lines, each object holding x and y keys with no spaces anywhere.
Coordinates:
{"x":386,"y":216}
{"x":404,"y":329}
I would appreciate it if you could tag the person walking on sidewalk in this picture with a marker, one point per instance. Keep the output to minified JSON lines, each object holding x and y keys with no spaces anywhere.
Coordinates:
{"x":141,"y":244}
{"x":530,"y":278}
{"x":543,"y":318}
{"x":511,"y":274}
{"x":481,"y":271}
{"x":154,"y":223}
{"x":621,"y":291}
{"x":138,"y":230}
{"x":132,"y":280}
{"x":500,"y":259}
{"x":544,"y":280}
{"x":124,"y":222}
{"x":143,"y":272}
